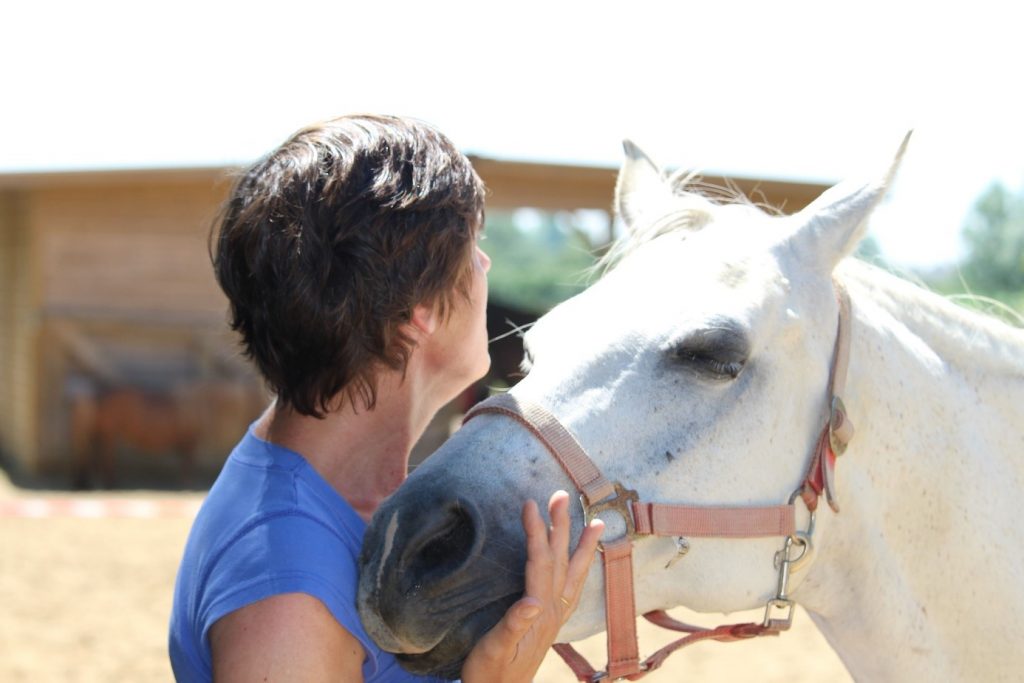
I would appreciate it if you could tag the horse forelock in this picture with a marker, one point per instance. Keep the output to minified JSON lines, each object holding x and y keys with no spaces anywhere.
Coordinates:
{"x":696,"y":204}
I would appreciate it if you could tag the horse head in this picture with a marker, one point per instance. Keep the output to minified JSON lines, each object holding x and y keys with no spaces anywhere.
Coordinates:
{"x":694,"y":371}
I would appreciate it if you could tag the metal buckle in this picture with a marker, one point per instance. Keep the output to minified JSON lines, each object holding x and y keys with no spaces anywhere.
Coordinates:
{"x":803,"y":538}
{"x":619,"y":503}
{"x":784,"y":623}
{"x":785,"y":563}
{"x":602,"y":675}
{"x":837,"y":415}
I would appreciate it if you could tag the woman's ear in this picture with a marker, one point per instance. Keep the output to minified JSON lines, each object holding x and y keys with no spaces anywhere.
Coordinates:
{"x":425,"y":319}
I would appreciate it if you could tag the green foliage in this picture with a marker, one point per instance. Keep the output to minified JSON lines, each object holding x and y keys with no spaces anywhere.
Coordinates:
{"x":949,"y":281}
{"x":868,"y":250}
{"x":990,"y":278}
{"x":536,"y":266}
{"x":995,"y":239}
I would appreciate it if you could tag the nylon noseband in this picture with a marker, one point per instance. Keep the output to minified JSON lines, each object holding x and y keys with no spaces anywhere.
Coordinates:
{"x":599,"y":495}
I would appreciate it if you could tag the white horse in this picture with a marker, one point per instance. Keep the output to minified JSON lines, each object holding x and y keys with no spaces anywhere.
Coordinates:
{"x":696,"y":372}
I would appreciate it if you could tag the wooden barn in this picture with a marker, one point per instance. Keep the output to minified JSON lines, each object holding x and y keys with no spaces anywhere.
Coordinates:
{"x":115,"y":361}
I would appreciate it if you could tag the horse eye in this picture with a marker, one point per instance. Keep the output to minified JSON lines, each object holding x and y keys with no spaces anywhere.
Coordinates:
{"x":719,"y":352}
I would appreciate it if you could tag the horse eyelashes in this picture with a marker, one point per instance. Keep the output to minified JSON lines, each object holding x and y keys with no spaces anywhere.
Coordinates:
{"x":710,"y":365}
{"x":719,"y":352}
{"x":731,"y":369}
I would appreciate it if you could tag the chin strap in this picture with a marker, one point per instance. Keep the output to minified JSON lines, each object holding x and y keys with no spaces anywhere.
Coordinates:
{"x":583,"y":671}
{"x":598,"y":495}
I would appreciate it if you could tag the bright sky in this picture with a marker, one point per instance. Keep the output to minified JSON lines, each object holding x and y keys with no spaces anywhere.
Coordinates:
{"x":803,"y":90}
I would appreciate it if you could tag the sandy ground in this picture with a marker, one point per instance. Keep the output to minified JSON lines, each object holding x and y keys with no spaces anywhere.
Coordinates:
{"x":87,"y":599}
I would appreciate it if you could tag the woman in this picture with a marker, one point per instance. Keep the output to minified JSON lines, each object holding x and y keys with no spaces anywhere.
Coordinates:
{"x":349,"y":258}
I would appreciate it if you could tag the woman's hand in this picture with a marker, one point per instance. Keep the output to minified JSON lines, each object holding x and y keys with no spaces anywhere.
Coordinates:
{"x":512,"y":651}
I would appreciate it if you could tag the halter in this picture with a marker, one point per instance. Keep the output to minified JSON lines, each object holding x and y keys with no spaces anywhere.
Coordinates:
{"x":598,"y":495}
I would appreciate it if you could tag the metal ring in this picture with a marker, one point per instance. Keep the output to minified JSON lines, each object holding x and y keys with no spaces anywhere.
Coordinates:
{"x":564,"y":601}
{"x":797,"y":563}
{"x":619,"y":502}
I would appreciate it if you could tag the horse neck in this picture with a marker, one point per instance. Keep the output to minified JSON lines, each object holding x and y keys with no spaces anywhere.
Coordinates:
{"x":937,"y":396}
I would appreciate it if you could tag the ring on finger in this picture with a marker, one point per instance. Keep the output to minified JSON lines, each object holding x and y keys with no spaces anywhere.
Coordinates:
{"x":564,"y":601}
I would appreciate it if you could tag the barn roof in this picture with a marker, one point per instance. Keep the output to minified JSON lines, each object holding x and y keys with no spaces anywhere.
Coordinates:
{"x":551,"y":186}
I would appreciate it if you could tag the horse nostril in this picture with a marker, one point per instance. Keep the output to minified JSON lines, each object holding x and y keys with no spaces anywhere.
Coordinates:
{"x":449,"y":540}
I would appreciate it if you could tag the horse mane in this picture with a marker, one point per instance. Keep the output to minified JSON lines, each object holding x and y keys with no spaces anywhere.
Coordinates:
{"x":696,"y":202}
{"x":958,"y":336}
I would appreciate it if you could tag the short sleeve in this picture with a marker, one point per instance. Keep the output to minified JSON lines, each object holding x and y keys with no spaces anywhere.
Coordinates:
{"x":286,"y":553}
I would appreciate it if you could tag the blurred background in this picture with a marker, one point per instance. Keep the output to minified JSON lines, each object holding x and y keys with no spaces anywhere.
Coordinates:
{"x":121,"y":389}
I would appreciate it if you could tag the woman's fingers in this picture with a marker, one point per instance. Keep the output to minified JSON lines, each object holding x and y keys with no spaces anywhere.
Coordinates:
{"x":515,"y":647}
{"x":558,"y":511}
{"x":539,"y":557}
{"x":568,"y":576}
{"x":501,"y":643}
{"x":579,"y":565}
{"x":555,"y":579}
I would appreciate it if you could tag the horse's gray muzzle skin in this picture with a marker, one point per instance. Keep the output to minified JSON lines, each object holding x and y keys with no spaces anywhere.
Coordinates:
{"x":430,"y":584}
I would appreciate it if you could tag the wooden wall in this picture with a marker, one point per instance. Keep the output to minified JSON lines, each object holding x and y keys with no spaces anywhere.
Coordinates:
{"x":127,"y":249}
{"x":105,"y":282}
{"x":18,"y":329}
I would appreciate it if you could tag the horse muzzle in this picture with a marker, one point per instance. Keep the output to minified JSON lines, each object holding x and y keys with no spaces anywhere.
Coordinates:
{"x":429,"y":585}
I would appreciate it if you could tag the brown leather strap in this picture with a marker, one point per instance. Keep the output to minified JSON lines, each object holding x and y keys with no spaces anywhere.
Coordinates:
{"x":723,"y":634}
{"x":661,"y":618}
{"x":578,"y":663}
{"x":650,"y":518}
{"x":815,"y":482}
{"x":839,"y":430}
{"x":841,"y":354}
{"x":620,"y":609}
{"x":562,"y":445}
{"x":583,"y":671}
{"x":722,"y":522}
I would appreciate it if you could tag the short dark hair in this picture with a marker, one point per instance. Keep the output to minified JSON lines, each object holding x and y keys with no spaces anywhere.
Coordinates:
{"x":327,"y":244}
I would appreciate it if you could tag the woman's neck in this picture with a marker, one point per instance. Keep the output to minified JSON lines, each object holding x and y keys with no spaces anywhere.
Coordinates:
{"x":363,"y":454}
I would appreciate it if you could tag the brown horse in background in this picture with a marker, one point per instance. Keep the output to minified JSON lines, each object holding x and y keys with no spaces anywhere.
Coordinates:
{"x":172,"y":422}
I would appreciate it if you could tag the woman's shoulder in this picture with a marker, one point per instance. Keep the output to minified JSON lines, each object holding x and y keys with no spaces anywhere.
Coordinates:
{"x":272,"y":551}
{"x":262,"y":482}
{"x":263,"y":518}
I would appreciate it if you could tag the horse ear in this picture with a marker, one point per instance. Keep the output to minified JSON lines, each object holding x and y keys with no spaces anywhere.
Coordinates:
{"x":641,"y":187}
{"x":833,"y":224}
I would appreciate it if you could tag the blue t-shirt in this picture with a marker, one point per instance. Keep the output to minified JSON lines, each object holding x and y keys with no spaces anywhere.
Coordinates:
{"x":270,"y":525}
